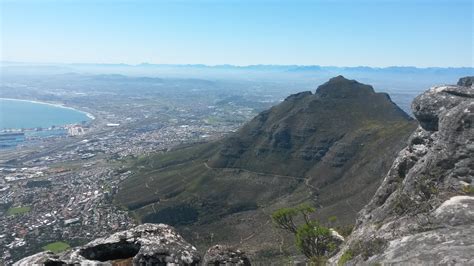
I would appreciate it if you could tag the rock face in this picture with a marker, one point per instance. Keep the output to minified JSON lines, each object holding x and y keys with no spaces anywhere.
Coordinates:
{"x":466,"y":81}
{"x":147,"y":244}
{"x":424,"y":210}
{"x":225,"y":255}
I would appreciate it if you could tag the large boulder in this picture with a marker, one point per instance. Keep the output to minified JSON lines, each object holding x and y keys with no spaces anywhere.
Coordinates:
{"x":225,"y":255}
{"x":423,"y":212}
{"x":147,"y":244}
{"x":466,"y":81}
{"x":429,"y":106}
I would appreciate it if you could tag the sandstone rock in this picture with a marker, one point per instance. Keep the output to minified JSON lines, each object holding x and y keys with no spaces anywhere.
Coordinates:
{"x":147,"y":244}
{"x":466,"y":81}
{"x":225,"y":255}
{"x":428,"y":106}
{"x":423,"y":212}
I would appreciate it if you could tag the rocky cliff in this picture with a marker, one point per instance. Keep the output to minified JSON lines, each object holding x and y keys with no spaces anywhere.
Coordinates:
{"x":424,"y":210}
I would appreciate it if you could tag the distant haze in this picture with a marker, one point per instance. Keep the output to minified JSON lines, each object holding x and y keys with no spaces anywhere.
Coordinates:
{"x":335,"y":33}
{"x":402,"y":83}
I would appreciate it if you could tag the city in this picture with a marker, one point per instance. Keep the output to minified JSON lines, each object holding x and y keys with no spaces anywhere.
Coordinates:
{"x":53,"y":189}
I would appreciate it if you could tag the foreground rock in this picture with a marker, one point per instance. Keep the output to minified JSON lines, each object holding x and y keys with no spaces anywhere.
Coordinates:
{"x":424,"y":210}
{"x":147,"y":244}
{"x":225,"y":255}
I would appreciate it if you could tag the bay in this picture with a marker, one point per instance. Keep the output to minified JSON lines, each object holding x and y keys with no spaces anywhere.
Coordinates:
{"x":21,"y":114}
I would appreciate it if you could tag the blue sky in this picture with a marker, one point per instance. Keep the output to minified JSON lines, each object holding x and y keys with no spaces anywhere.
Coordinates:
{"x":338,"y":33}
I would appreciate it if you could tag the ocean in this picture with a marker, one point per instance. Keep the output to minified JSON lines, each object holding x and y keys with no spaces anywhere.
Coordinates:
{"x":19,"y":114}
{"x":31,"y":116}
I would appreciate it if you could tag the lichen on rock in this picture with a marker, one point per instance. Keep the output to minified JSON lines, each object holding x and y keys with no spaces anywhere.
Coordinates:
{"x":225,"y":255}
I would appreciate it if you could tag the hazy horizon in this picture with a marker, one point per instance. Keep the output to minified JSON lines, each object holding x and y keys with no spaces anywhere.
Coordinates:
{"x":6,"y":62}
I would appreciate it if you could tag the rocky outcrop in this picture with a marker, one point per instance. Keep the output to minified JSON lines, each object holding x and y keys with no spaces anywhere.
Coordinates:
{"x":147,"y":244}
{"x":225,"y":255}
{"x":423,"y":212}
{"x":466,"y":81}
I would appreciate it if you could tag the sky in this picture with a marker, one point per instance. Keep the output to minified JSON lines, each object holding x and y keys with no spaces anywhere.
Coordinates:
{"x":423,"y":33}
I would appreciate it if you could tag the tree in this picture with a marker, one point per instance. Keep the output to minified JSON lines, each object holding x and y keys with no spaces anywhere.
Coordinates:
{"x":312,"y":239}
{"x":283,"y":219}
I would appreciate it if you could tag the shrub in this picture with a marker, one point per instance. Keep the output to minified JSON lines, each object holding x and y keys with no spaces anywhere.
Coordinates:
{"x":468,"y":189}
{"x":332,"y":219}
{"x":346,"y":256}
{"x":284,"y":219}
{"x":317,"y":261}
{"x":314,"y":240}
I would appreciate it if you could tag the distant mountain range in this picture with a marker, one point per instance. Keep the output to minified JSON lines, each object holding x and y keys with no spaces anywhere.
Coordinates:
{"x":387,"y":79}
{"x":262,"y":67}
{"x":328,"y":148}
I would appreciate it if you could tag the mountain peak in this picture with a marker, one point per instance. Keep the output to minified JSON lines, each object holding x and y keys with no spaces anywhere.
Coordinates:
{"x":339,"y":78}
{"x":341,"y":87}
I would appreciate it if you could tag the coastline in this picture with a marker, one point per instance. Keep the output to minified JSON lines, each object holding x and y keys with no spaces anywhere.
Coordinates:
{"x":91,"y":116}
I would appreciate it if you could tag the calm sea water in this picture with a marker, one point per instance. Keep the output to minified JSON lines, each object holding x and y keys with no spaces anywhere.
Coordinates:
{"x":22,"y":114}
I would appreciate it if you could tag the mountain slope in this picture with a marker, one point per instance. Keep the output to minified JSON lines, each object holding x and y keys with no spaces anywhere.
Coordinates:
{"x":329,"y":148}
{"x":309,"y":133}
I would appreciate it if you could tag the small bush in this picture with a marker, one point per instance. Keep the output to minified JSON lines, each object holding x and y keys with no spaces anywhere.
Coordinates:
{"x":347,"y":256}
{"x":284,"y":219}
{"x":468,"y":189}
{"x":314,"y":240}
{"x":318,"y":261}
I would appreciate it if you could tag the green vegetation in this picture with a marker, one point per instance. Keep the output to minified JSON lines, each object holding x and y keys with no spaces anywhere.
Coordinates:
{"x":332,"y":221}
{"x":468,"y":189}
{"x":318,"y":261}
{"x":311,"y":238}
{"x":56,"y":247}
{"x":347,"y":256}
{"x":284,"y":219}
{"x":18,"y":210}
{"x":181,"y":177}
{"x":314,"y":240}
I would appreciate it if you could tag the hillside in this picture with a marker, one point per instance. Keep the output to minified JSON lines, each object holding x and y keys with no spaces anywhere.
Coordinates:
{"x":329,"y":148}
